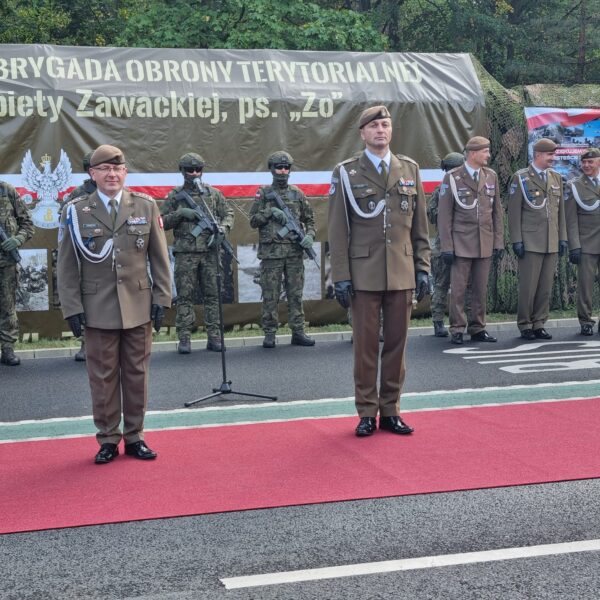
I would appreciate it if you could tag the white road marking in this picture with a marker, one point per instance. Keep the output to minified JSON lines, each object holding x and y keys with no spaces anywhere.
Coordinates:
{"x":409,"y":564}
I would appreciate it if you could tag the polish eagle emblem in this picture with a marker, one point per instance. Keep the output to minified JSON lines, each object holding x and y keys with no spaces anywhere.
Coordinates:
{"x":47,"y":184}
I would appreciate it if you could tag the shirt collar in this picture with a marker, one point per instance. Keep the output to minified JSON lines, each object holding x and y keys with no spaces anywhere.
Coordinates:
{"x":106,"y":198}
{"x":470,"y":169}
{"x":376,"y":160}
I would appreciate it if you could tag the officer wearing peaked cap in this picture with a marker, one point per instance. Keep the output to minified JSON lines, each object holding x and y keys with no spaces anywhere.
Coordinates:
{"x":582,"y":211}
{"x":379,"y":246}
{"x":537,"y":226}
{"x":471,"y":232}
{"x":114,"y":277}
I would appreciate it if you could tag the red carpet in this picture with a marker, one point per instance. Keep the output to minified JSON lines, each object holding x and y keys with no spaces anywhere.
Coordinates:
{"x":54,"y":484}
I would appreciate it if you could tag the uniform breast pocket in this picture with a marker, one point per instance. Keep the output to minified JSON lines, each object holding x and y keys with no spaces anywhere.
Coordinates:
{"x":138,"y":236}
{"x":93,"y":237}
{"x":367,"y":199}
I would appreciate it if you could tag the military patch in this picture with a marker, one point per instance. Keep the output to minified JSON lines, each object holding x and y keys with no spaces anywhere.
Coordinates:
{"x":335,"y":179}
{"x":513,"y":188}
{"x":137,"y":221}
{"x":352,"y":172}
{"x":332,"y":189}
{"x":371,"y":206}
{"x":404,"y":205}
{"x":89,"y":225}
{"x":86,"y":209}
{"x":443,"y":188}
{"x":139,"y":243}
{"x":61,"y":232}
{"x":160,"y":222}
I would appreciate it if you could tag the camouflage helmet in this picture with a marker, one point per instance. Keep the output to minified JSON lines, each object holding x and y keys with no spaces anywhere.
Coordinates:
{"x":281,"y":157}
{"x":86,"y":160}
{"x":452,"y":160}
{"x":190,"y":160}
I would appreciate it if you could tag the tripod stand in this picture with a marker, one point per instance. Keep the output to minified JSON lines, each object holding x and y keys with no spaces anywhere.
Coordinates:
{"x":225,"y":387}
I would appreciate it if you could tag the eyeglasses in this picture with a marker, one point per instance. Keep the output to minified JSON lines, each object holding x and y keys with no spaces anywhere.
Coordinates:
{"x":193,"y":169}
{"x":283,"y":167}
{"x":107,"y":169}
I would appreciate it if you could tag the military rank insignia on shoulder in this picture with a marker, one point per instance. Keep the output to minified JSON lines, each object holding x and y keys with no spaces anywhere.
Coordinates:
{"x":406,"y":158}
{"x":142,"y":195}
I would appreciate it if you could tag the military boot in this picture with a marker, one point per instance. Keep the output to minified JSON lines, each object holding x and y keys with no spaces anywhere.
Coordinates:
{"x":439,"y":330}
{"x":185,"y":345}
{"x":8,"y":357}
{"x":214,"y":344}
{"x":299,"y":338}
{"x":80,"y":355}
{"x":269,"y":341}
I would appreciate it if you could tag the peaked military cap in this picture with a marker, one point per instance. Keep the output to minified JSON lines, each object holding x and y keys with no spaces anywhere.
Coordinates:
{"x":107,"y":154}
{"x":372,"y":114}
{"x":591,"y":153}
{"x":545,"y":145}
{"x":477,"y":143}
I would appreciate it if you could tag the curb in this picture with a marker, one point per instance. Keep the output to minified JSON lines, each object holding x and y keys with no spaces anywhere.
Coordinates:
{"x":253,"y":341}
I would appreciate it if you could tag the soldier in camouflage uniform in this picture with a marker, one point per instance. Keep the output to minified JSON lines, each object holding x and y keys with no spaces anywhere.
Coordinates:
{"x":195,"y":257}
{"x":282,"y":257}
{"x":440,"y":271}
{"x":85,"y":189}
{"x":16,"y":222}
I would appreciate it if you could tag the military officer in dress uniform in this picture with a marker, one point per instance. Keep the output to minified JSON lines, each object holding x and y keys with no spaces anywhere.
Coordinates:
{"x":114,"y":277}
{"x":470,"y":222}
{"x":379,"y":248}
{"x":537,"y":226}
{"x":582,"y":212}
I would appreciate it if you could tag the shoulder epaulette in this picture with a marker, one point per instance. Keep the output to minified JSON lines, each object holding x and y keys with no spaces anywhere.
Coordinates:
{"x":142,"y":195}
{"x":349,"y":160}
{"x":407,"y":159}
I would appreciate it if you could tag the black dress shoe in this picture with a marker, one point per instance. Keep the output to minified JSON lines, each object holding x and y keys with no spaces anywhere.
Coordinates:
{"x":366,"y":426}
{"x":527,"y":334}
{"x":483,"y":336}
{"x":139,"y":450}
{"x":542,"y":334}
{"x":456,"y":338}
{"x":395,"y":425}
{"x":587,"y":330}
{"x":106,"y":453}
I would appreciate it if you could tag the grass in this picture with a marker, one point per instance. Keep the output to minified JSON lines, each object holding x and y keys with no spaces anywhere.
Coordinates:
{"x":32,"y":342}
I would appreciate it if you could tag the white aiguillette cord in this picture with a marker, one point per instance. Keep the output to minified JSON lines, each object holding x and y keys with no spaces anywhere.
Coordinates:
{"x":588,"y":207}
{"x":78,"y":243}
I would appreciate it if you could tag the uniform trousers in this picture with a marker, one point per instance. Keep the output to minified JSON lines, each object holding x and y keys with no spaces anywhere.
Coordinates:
{"x":9,"y":325}
{"x":366,"y":306}
{"x":478,"y":270}
{"x":587,"y":274}
{"x":117,"y":364}
{"x":536,"y":276}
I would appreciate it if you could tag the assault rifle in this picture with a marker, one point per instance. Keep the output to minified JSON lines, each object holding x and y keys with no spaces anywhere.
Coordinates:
{"x":291,"y":227}
{"x":205,"y":224}
{"x":14,"y":254}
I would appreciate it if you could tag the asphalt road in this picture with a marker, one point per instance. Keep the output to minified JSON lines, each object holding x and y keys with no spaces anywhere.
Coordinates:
{"x":186,"y":558}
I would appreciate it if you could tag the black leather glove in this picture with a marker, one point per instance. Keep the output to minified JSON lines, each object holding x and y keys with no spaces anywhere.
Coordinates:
{"x":448,"y":257}
{"x":422,"y":287}
{"x":575,"y":256}
{"x":498,"y":253}
{"x":76,"y":323}
{"x":157,"y":315}
{"x":343,"y":291}
{"x":519,"y":249}
{"x":563,"y":247}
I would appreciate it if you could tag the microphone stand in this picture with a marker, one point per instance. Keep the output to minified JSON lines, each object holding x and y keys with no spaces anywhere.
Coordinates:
{"x":225,"y":387}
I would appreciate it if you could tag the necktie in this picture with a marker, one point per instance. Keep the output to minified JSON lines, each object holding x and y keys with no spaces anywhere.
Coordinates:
{"x":384,"y":170}
{"x":543,"y":176}
{"x":113,"y":210}
{"x":476,"y":176}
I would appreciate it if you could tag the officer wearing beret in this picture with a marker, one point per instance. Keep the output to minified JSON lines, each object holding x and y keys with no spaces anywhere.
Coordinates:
{"x":537,"y":226}
{"x":440,"y":271}
{"x":15,"y":220}
{"x":114,"y":277}
{"x":470,"y":222}
{"x":379,"y":245}
{"x":582,"y":210}
{"x":195,"y":257}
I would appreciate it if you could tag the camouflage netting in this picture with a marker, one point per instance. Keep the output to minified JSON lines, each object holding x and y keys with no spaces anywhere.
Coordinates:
{"x":507,"y":131}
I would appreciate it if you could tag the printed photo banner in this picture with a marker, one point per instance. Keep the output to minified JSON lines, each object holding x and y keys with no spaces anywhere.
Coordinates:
{"x":234,"y":107}
{"x":573,"y":129}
